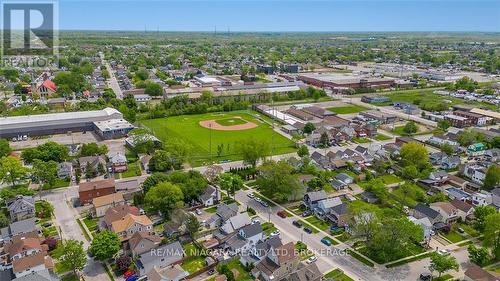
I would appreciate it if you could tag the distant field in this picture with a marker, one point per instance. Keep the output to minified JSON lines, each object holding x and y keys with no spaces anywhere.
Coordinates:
{"x":347,"y":109}
{"x":187,"y":128}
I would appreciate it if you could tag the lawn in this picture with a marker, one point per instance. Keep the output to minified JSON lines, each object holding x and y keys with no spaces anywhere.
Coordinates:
{"x":193,"y":264}
{"x":318,"y":223}
{"x":191,"y":249}
{"x":57,"y":184}
{"x":469,"y":229}
{"x":415,"y":258}
{"x":410,"y":250}
{"x":306,"y":224}
{"x":390,"y":179}
{"x":50,"y":231}
{"x":70,"y":278}
{"x":244,"y":275}
{"x":338,"y":275}
{"x":361,"y":140}
{"x":133,"y":170}
{"x":231,"y":121}
{"x":382,"y":137}
{"x":360,"y":258}
{"x":347,"y":109}
{"x":453,"y":236}
{"x":187,"y":128}
{"x":91,"y":224}
{"x":268,"y":227}
{"x":211,"y":210}
{"x":399,"y":130}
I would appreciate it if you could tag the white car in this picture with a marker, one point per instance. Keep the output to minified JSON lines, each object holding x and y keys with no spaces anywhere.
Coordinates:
{"x":311,"y":259}
{"x":275,"y":233}
{"x":443,"y":252}
{"x":251,"y":195}
{"x":258,"y":199}
{"x":198,"y":212}
{"x":255,"y":220}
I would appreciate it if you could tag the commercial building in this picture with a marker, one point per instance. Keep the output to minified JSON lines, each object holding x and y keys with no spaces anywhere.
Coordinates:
{"x":87,"y":191}
{"x":114,"y":128}
{"x":55,"y":123}
{"x":345,"y":81}
{"x":375,"y":99}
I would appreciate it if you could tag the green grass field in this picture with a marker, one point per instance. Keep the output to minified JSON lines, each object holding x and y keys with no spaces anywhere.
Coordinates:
{"x":347,"y":109}
{"x":187,"y":128}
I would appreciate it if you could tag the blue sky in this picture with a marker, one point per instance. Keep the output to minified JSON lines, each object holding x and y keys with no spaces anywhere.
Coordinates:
{"x":281,"y":15}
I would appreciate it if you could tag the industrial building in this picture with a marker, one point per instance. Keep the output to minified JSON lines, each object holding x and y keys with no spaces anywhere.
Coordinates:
{"x":60,"y":123}
{"x":335,"y":81}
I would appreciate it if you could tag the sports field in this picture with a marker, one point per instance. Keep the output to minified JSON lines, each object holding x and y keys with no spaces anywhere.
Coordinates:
{"x":188,"y":128}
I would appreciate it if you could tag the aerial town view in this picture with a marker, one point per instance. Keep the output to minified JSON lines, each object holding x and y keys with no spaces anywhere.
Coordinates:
{"x":229,"y":140}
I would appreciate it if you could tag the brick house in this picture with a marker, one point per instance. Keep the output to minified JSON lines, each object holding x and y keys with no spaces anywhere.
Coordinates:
{"x":93,"y":189}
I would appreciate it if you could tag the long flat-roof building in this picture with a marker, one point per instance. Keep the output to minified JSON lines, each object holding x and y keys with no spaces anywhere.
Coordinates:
{"x":55,"y":123}
{"x":335,"y":80}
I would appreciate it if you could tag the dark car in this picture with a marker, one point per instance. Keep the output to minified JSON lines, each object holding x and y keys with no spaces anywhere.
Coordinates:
{"x":211,"y":272}
{"x":282,"y":214}
{"x":425,"y":276}
{"x":297,"y":224}
{"x":308,"y":230}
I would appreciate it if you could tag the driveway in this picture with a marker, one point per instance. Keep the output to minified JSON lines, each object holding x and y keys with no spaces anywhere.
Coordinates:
{"x":65,"y":219}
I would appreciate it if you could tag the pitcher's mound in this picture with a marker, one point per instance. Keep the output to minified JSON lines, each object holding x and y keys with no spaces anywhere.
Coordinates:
{"x":213,"y":124}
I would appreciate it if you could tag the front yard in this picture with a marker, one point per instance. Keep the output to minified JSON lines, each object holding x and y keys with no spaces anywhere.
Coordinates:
{"x":322,"y":225}
{"x":268,"y":227}
{"x":134,"y":169}
{"x":338,"y":275}
{"x":243,"y":274}
{"x":453,"y":236}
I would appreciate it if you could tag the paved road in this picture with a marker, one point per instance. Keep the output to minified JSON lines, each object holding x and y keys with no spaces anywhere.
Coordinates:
{"x":112,"y":81}
{"x":65,"y":219}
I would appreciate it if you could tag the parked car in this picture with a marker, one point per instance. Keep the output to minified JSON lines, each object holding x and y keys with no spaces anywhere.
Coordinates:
{"x":306,"y":213}
{"x":297,"y":223}
{"x":263,"y":203}
{"x":307,"y":230}
{"x":311,"y":259}
{"x":282,"y":214}
{"x":425,"y":276}
{"x":326,"y":241}
{"x":255,"y":220}
{"x":275,"y":233}
{"x":198,"y":212}
{"x":443,"y":252}
{"x":461,"y":230}
{"x":211,"y":272}
{"x":258,"y":199}
{"x":251,"y":195}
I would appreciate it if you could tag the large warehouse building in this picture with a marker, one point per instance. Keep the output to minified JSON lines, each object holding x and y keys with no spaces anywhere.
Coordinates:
{"x":336,"y":81}
{"x":60,"y":123}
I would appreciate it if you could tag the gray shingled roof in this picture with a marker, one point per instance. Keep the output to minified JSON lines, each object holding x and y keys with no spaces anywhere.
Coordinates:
{"x":426,"y":210}
{"x":252,"y":229}
{"x":172,"y":252}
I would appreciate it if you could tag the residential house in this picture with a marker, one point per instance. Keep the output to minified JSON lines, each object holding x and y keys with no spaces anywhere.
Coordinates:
{"x":246,"y":239}
{"x":457,"y":181}
{"x":223,"y":213}
{"x":439,"y":141}
{"x":492,"y":155}
{"x":476,"y":273}
{"x":482,"y":198}
{"x":475,"y":172}
{"x":421,"y":211}
{"x":65,"y":170}
{"x":338,"y":185}
{"x":312,"y":198}
{"x":210,"y":196}
{"x":279,"y":263}
{"x":130,"y":224}
{"x":92,"y":162}
{"x":323,"y":207}
{"x":116,"y":213}
{"x":103,"y":203}
{"x":306,"y":272}
{"x":27,"y":255}
{"x":369,"y":197}
{"x":338,"y":215}
{"x":450,"y":163}
{"x":448,"y":212}
{"x":464,"y":209}
{"x":21,"y":207}
{"x":256,"y":254}
{"x":118,"y":162}
{"x":128,"y":188}
{"x":169,"y":273}
{"x":160,"y":257}
{"x":476,"y":149}
{"x":234,"y":224}
{"x":495,"y":198}
{"x":345,"y":178}
{"x":142,"y":242}
{"x":439,"y":177}
{"x":93,"y":189}
{"x":22,"y":227}
{"x":425,"y":224}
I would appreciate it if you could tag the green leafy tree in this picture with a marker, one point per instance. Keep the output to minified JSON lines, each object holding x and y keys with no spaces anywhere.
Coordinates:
{"x":192,"y":225}
{"x":45,"y":172}
{"x":12,"y":170}
{"x":93,"y":149}
{"x":481,"y":213}
{"x":4,"y":220}
{"x":324,"y":140}
{"x":492,"y":234}
{"x":492,"y":178}
{"x":447,"y":148}
{"x":90,"y":171}
{"x":277,"y":181}
{"x":309,"y":128}
{"x":252,"y":150}
{"x":73,"y":255}
{"x":153,"y":180}
{"x":410,"y":128}
{"x":164,"y":198}
{"x":5,"y":149}
{"x":303,"y":151}
{"x":444,"y":124}
{"x":478,"y":255}
{"x":153,"y":89}
{"x":230,"y":182}
{"x":105,"y":245}
{"x":161,"y":161}
{"x":192,"y":184}
{"x":415,"y":154}
{"x":442,"y":263}
{"x":46,"y":152}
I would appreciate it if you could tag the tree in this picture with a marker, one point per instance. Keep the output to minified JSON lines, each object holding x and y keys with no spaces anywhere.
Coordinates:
{"x":303,"y":151}
{"x":153,"y":180}
{"x":444,"y":124}
{"x":92,"y":149}
{"x":252,"y":150}
{"x":309,"y":128}
{"x":161,"y":161}
{"x":447,"y":148}
{"x":192,"y":184}
{"x":4,"y":220}
{"x":230,"y":182}
{"x":277,"y":181}
{"x":123,"y":263}
{"x":410,"y":128}
{"x":492,"y":234}
{"x":441,"y":263}
{"x":153,"y":89}
{"x":12,"y":170}
{"x":46,"y":152}
{"x":478,"y":255}
{"x":415,"y":154}
{"x":466,"y":83}
{"x":164,"y":198}
{"x":73,"y":255}
{"x":45,"y":172}
{"x":105,"y":245}
{"x":192,"y":225}
{"x":324,"y":140}
{"x":492,"y":178}
{"x":5,"y":149}
{"x":90,"y":171}
{"x":224,"y":269}
{"x":481,"y":213}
